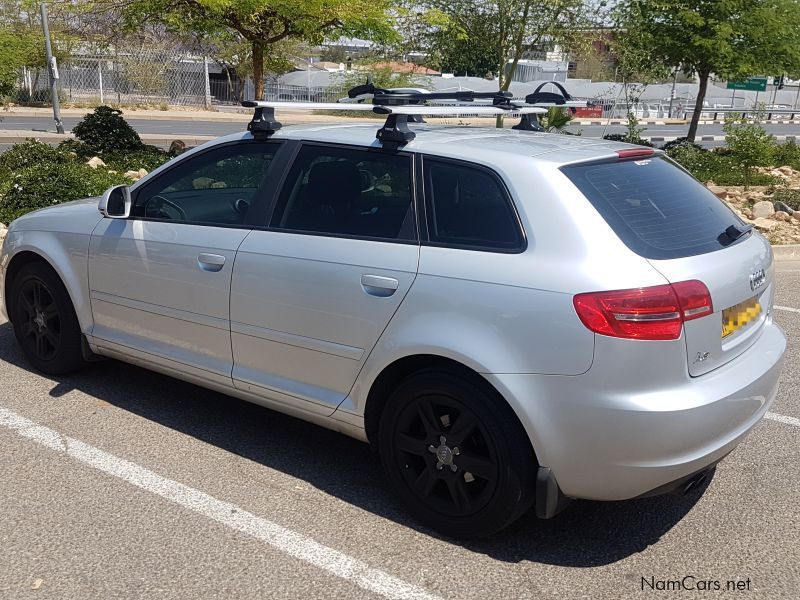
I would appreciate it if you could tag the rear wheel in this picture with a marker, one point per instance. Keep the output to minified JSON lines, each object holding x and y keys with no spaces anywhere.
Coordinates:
{"x":456,"y":454}
{"x":45,"y":323}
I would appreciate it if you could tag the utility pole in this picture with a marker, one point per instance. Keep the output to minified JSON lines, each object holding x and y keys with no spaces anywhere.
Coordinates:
{"x":52,"y":71}
{"x":207,"y":84}
{"x":672,"y":93}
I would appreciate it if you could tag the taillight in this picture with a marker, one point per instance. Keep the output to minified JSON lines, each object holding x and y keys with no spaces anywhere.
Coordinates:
{"x":651,"y":313}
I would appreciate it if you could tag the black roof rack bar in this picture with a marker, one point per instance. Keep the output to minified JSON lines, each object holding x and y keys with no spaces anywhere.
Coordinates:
{"x":263,"y":124}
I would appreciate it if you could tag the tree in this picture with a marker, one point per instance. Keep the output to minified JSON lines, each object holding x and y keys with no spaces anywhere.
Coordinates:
{"x":507,"y":28}
{"x":731,"y":39}
{"x":453,"y":50}
{"x":263,"y":23}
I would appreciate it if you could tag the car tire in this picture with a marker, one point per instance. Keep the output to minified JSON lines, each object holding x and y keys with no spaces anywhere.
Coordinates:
{"x":456,"y":454}
{"x":45,"y":323}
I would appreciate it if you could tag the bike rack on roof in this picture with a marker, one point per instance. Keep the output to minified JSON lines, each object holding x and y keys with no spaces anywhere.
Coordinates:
{"x":402,"y":106}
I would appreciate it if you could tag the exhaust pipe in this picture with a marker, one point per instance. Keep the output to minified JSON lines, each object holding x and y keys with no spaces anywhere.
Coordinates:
{"x":695,"y":482}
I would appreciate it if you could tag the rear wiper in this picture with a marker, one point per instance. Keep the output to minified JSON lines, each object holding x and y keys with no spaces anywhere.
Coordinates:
{"x":733,"y":233}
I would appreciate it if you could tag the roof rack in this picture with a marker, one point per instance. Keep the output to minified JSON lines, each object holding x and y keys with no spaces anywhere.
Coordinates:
{"x":402,"y":106}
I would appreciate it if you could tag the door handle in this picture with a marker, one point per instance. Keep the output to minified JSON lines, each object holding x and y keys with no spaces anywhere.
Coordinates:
{"x":382,"y":287}
{"x":210,"y":262}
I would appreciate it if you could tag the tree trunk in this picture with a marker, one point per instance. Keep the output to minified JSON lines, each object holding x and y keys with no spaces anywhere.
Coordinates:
{"x":258,"y":69}
{"x":698,"y":105}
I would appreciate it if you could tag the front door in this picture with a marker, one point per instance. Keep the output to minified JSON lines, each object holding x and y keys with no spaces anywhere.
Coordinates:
{"x":312,"y":294}
{"x":160,"y":280}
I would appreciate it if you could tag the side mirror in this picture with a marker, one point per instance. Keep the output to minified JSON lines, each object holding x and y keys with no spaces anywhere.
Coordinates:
{"x":115,"y":202}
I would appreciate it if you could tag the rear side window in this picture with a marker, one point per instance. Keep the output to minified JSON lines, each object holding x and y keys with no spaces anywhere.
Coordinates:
{"x":469,"y":207}
{"x":658,"y":210}
{"x":349,"y":192}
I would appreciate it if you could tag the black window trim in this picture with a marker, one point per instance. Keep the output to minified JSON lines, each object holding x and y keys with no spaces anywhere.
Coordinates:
{"x":428,"y":206}
{"x":297,"y":147}
{"x":263,"y":193}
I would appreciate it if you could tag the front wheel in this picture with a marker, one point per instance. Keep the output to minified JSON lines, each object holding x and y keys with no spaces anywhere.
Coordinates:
{"x":456,"y":454}
{"x":45,"y":323}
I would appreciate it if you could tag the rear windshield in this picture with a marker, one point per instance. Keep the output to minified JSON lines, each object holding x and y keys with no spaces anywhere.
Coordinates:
{"x":657,"y":209}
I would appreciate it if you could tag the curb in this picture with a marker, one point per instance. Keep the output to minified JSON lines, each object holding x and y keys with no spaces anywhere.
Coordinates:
{"x":155,"y":139}
{"x":769,"y":122}
{"x":786,"y":252}
{"x":715,"y":138}
{"x":231,"y":116}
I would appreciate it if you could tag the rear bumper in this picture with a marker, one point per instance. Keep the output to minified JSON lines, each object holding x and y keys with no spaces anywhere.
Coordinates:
{"x":608,"y":435}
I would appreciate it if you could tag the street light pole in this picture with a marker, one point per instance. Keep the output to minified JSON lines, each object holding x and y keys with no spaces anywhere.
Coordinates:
{"x":52,"y":71}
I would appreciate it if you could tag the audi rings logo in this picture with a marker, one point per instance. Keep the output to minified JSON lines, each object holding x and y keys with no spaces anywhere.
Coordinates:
{"x":757,"y":279}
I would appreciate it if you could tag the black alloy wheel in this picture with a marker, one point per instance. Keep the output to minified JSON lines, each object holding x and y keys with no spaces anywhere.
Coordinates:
{"x":45,"y":323}
{"x":456,"y":453}
{"x":41,"y":322}
{"x":445,"y":455}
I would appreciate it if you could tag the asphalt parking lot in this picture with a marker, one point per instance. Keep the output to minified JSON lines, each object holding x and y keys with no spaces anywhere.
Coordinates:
{"x":121,"y":483}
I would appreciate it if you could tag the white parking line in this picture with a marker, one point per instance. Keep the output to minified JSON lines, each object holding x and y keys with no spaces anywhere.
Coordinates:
{"x":786,"y":308}
{"x":783,"y":419}
{"x":290,"y":542}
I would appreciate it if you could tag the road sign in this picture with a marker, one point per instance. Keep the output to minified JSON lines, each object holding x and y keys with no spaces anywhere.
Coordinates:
{"x":753,"y":84}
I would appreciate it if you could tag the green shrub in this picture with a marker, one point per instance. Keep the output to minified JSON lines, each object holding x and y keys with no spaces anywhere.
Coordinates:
{"x":105,"y":131}
{"x":622,"y":137}
{"x":48,"y":183}
{"x":787,"y":154}
{"x":749,"y":144}
{"x":28,"y":154}
{"x":148,"y":158}
{"x":679,"y":143}
{"x":720,"y":167}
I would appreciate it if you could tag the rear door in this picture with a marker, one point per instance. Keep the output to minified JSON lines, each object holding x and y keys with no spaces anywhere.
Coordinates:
{"x":663,"y":214}
{"x":312,"y":292}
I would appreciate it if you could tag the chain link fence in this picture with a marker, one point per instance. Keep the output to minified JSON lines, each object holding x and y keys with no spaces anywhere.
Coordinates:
{"x":125,"y":80}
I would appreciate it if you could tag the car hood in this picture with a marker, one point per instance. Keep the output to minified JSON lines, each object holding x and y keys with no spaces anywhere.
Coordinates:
{"x":80,"y":216}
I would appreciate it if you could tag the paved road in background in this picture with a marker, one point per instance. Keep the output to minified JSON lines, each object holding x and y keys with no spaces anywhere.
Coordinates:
{"x":185,"y":128}
{"x":121,"y":483}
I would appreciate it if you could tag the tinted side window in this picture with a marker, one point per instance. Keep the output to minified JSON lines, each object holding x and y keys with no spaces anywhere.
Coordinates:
{"x":469,"y":207}
{"x":343,"y":191}
{"x":216,"y":187}
{"x":658,"y":210}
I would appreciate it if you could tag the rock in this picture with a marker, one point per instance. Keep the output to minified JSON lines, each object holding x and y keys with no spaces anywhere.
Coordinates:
{"x":762,"y":209}
{"x":747,"y":213}
{"x":142,"y":173}
{"x":719,"y":192}
{"x":765,"y":224}
{"x":786,"y":170}
{"x":3,"y":231}
{"x":783,"y":207}
{"x":95,"y":162}
{"x":796,"y":215}
{"x":781,"y":216}
{"x":132,"y":175}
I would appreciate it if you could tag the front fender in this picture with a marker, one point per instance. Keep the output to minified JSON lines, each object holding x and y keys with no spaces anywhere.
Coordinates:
{"x":66,"y":253}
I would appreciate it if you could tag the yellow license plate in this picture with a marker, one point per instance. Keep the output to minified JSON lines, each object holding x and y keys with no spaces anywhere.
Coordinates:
{"x":738,"y":316}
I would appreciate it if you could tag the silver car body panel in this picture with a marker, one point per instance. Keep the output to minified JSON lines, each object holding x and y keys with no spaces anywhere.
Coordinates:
{"x":613,"y":418}
{"x":315,"y":306}
{"x":164,"y":288}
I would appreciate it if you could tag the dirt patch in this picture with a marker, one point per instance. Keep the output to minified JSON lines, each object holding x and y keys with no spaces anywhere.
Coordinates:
{"x":757,"y":205}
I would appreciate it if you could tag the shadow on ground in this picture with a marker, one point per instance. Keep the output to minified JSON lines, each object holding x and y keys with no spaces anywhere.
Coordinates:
{"x":586,"y":534}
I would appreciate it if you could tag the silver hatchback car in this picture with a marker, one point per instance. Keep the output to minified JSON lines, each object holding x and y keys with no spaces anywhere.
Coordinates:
{"x":512,"y":319}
